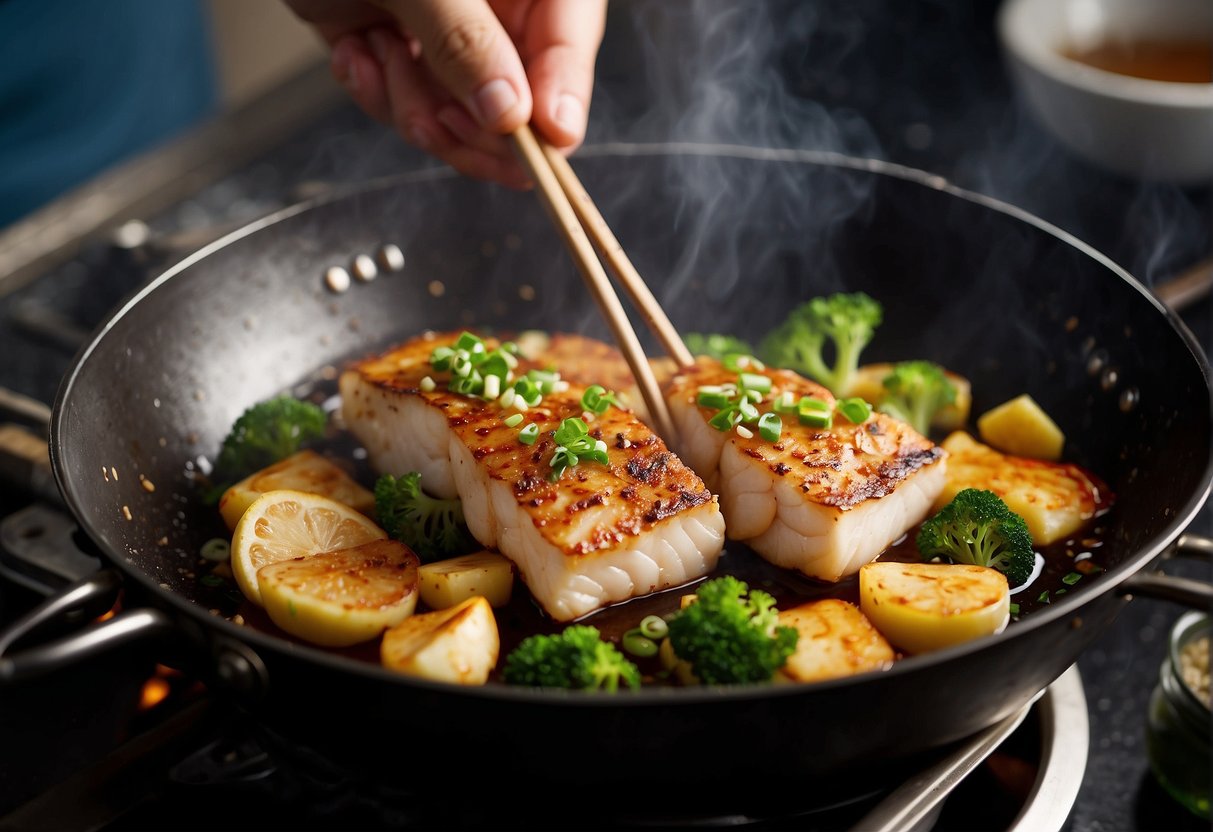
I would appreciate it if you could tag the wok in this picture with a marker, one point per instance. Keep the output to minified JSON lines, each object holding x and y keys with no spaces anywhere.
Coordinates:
{"x":729,"y":238}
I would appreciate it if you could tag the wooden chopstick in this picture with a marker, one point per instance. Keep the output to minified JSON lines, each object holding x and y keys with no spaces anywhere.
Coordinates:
{"x":561,"y":211}
{"x":606,"y":243}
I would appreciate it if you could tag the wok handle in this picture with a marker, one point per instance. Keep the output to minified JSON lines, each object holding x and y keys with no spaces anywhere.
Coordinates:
{"x":1187,"y":591}
{"x":89,"y":598}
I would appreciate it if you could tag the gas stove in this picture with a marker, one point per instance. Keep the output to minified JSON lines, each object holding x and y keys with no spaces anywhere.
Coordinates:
{"x":125,"y":742}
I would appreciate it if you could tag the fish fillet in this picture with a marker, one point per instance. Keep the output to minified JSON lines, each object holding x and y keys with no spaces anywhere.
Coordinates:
{"x":599,"y":535}
{"x":822,"y":501}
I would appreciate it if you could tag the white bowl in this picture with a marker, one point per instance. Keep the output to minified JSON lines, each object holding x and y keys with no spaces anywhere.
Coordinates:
{"x":1155,"y":130}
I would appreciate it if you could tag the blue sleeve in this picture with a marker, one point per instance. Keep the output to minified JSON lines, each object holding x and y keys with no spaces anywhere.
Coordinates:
{"x":85,"y":84}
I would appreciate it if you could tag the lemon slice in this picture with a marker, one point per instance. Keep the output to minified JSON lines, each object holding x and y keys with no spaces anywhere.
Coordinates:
{"x":340,"y":598}
{"x":283,"y":524}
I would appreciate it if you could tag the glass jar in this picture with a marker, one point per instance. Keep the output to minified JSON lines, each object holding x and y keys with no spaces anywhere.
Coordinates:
{"x":1178,"y":723}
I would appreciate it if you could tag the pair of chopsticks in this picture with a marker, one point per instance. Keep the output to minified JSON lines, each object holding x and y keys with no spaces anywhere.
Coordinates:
{"x":583,"y":228}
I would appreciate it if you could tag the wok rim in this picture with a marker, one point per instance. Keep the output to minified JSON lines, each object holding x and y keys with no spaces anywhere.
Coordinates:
{"x":659,"y":695}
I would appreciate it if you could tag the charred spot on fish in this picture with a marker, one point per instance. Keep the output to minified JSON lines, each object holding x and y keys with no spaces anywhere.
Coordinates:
{"x":483,"y":431}
{"x":647,"y":470}
{"x":875,"y":428}
{"x":582,"y":505}
{"x":754,"y":454}
{"x":628,"y":493}
{"x":780,"y":468}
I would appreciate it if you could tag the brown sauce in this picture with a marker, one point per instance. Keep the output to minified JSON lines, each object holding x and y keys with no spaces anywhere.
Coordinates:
{"x":1185,"y":62}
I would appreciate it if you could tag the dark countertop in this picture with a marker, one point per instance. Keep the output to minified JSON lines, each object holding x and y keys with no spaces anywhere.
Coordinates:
{"x":917,"y":83}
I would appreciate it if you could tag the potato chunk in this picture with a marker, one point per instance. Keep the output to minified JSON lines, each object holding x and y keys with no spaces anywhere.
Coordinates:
{"x":1054,"y":499}
{"x":868,"y":384}
{"x":928,"y":606}
{"x":445,"y":583}
{"x":335,"y":599}
{"x":836,"y":639}
{"x":457,"y":645}
{"x":1022,"y":428}
{"x":305,"y":471}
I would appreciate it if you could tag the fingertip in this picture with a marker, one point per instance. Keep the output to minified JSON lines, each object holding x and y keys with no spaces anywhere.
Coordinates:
{"x":501,"y":106}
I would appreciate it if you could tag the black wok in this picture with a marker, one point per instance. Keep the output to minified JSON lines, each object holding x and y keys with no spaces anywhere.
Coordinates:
{"x":729,"y":238}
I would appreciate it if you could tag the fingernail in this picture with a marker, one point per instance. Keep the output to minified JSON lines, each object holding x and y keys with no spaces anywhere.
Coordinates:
{"x":494,"y":100}
{"x":379,"y":44}
{"x":569,"y":114}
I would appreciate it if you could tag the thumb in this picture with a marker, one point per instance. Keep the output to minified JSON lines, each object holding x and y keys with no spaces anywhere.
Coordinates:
{"x":468,"y":51}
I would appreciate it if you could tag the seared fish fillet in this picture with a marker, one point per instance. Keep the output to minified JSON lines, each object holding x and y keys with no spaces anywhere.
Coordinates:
{"x":822,"y":501}
{"x":599,"y":535}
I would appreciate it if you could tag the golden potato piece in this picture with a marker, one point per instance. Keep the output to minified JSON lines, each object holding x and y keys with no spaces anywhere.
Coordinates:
{"x":868,"y":384}
{"x":335,"y":599}
{"x":1022,"y":428}
{"x":836,"y":639}
{"x":457,"y":645}
{"x":1055,"y":499}
{"x":305,"y":471}
{"x":445,"y":583}
{"x":928,"y":606}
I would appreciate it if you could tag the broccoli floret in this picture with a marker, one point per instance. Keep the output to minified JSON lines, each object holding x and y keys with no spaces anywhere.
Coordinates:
{"x":917,"y":390}
{"x":715,"y":345}
{"x":847,"y":321}
{"x":727,"y":637}
{"x":431,"y":527}
{"x":265,"y":433}
{"x":977,"y":527}
{"x":576,"y":658}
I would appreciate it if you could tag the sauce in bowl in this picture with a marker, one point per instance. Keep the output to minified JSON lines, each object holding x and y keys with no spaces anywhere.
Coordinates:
{"x":1184,"y":62}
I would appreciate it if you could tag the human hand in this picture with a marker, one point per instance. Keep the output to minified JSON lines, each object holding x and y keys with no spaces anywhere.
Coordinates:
{"x":454,"y":77}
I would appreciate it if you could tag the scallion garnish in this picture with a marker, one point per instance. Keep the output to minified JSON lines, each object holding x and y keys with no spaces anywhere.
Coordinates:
{"x":726,"y":419}
{"x":597,"y":399}
{"x":638,"y":644}
{"x":814,"y":412}
{"x":428,"y":385}
{"x":216,"y":549}
{"x":474,"y":369}
{"x":744,"y":432}
{"x":514,"y":420}
{"x":753,"y":381}
{"x":785,"y":402}
{"x":1071,"y":579}
{"x":573,"y":444}
{"x":855,"y":410}
{"x":1043,"y":598}
{"x":770,"y":427}
{"x":529,"y":434}
{"x":738,"y":361}
{"x":713,"y":397}
{"x":654,"y":626}
{"x":1014,"y":609}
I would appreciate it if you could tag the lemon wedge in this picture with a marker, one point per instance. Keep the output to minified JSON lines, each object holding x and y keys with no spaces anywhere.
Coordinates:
{"x":284,"y":524}
{"x":335,"y":599}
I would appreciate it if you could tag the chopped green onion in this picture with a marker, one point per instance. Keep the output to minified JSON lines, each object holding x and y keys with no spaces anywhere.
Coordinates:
{"x":507,"y":398}
{"x":770,"y":427}
{"x":471,"y":343}
{"x":211,"y":580}
{"x":856,"y":410}
{"x":492,"y":387}
{"x":744,"y":432}
{"x":638,"y":644}
{"x":216,"y":549}
{"x":716,"y":398}
{"x":441,"y":358}
{"x":785,"y":402}
{"x":753,"y":381}
{"x":597,"y":399}
{"x":529,"y":434}
{"x":814,"y":413}
{"x":528,"y":390}
{"x":510,"y":349}
{"x":545,"y":380}
{"x":1043,"y":598}
{"x":513,"y":421}
{"x":737,"y":361}
{"x":748,"y":412}
{"x":428,"y":385}
{"x":495,"y":365}
{"x":571,"y":430}
{"x":1014,"y":609}
{"x":563,"y":458}
{"x":654,"y":626}
{"x":1071,"y":579}
{"x":725,"y":419}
